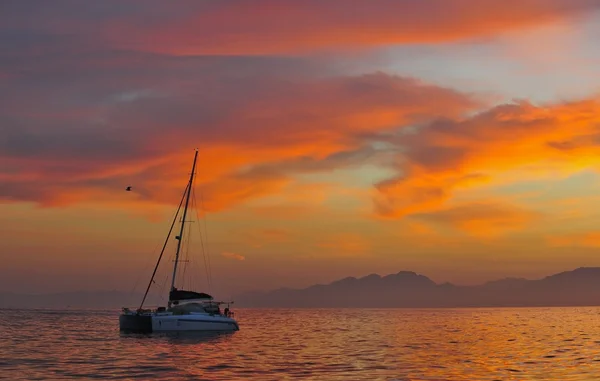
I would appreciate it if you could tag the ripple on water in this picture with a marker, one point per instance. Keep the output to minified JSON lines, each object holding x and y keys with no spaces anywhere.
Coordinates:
{"x":351,"y":344}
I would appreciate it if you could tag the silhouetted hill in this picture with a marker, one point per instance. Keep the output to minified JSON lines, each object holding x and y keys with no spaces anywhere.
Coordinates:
{"x":580,"y":287}
{"x":408,"y":289}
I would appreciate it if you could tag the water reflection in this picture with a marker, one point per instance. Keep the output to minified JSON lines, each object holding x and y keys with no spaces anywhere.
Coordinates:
{"x":183,"y":338}
{"x":346,"y":344}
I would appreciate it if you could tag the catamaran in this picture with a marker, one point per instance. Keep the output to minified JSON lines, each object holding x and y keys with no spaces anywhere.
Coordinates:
{"x":186,"y":310}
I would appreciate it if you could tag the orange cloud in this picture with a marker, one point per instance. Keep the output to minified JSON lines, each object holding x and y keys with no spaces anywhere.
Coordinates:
{"x":482,"y":219}
{"x":230,"y":255}
{"x":288,"y":26}
{"x":289,"y":129}
{"x":448,"y":155}
{"x":131,"y":118}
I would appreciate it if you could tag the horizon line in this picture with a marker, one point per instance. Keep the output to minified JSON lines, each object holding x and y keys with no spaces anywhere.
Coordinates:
{"x":320,"y":284}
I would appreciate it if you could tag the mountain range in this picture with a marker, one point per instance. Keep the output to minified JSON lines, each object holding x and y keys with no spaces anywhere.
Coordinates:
{"x":579,"y":287}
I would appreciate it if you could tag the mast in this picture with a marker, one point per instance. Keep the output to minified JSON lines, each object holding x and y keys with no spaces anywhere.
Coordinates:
{"x":180,"y":236}
{"x":163,"y":249}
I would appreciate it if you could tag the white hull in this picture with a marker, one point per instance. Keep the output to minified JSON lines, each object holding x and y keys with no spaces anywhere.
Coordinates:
{"x":168,"y":322}
{"x":193,"y":322}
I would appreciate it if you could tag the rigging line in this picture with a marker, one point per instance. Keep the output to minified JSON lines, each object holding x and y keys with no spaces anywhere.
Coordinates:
{"x":164,"y":246}
{"x":194,"y":278}
{"x":186,"y":257}
{"x":183,"y":217}
{"x":137,"y":280}
{"x":195,"y":266}
{"x":163,"y":287}
{"x":191,"y":263}
{"x":195,"y":206}
{"x":196,"y":269}
{"x":206,"y":232}
{"x":160,"y":280}
{"x":162,"y":277}
{"x":204,"y":251}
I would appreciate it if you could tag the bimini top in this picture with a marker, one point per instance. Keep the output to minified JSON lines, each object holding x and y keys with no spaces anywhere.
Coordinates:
{"x":176,"y":294}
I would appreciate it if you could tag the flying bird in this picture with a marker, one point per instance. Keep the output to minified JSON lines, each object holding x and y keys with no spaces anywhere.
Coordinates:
{"x":128,"y":189}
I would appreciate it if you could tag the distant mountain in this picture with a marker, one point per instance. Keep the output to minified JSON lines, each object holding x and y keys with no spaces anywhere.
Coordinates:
{"x":81,"y":299}
{"x":580,"y":287}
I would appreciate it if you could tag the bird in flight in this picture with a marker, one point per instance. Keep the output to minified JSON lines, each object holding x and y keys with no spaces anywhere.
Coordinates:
{"x":128,"y":189}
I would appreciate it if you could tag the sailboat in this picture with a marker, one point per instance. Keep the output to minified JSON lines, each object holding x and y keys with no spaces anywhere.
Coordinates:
{"x":186,"y":310}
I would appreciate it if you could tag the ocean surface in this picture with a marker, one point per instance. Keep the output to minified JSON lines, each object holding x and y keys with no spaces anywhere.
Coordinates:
{"x":324,"y":344}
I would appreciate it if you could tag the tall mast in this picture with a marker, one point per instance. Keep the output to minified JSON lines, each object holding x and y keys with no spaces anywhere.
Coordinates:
{"x":163,"y":249}
{"x":180,"y":237}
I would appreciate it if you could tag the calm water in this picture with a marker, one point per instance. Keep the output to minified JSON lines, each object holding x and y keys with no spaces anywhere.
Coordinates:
{"x":351,"y":344}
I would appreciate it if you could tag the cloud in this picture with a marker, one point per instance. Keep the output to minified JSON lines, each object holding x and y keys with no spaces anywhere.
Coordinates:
{"x":485,"y":219}
{"x":257,"y":132}
{"x":92,"y":101}
{"x":252,"y":136}
{"x":448,"y":155}
{"x":230,"y":255}
{"x":277,"y":26}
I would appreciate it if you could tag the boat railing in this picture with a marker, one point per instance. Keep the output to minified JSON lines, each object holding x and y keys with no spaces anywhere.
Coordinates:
{"x":127,"y":310}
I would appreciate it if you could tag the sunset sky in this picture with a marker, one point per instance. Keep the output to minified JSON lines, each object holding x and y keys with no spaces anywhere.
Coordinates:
{"x":456,"y":138}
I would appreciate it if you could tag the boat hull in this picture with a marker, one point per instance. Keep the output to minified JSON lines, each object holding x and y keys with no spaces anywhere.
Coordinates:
{"x":176,"y":323}
{"x":135,"y":323}
{"x":193,"y":323}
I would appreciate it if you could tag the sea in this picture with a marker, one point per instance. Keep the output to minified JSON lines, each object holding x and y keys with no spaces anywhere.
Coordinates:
{"x":311,"y":344}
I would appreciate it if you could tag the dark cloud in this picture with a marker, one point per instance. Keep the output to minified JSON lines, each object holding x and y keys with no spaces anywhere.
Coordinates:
{"x":274,"y":26}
